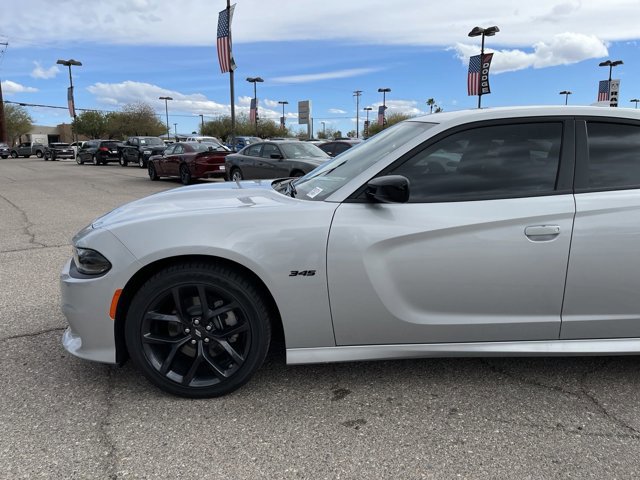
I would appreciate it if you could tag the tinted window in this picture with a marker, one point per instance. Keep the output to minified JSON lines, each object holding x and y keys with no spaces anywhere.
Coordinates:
{"x":614,"y":155}
{"x":253,"y":150}
{"x":270,"y":149}
{"x":341,"y":147}
{"x":178,"y":149}
{"x":487,"y":162}
{"x":169,"y":150}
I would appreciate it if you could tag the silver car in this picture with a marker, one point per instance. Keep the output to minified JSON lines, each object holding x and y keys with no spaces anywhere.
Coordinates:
{"x":485,"y":232}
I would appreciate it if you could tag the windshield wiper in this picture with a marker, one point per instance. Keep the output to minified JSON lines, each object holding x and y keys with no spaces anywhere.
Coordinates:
{"x":286,"y":187}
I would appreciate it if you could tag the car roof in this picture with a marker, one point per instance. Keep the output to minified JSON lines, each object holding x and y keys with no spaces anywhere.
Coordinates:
{"x":467,"y":116}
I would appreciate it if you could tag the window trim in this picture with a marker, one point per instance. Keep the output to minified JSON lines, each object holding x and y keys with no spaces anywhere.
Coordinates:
{"x":566,"y":170}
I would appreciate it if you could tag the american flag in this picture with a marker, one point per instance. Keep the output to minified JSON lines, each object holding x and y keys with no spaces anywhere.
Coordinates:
{"x":225,"y":57}
{"x":473,"y":78}
{"x":70,"y":102}
{"x":381,"y":110}
{"x":603,"y":91}
{"x":253,"y":111}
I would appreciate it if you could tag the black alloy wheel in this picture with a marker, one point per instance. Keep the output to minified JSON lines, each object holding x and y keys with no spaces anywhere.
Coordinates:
{"x":185,"y":174}
{"x":141,"y":163}
{"x":39,"y":153}
{"x":236,"y":175}
{"x":198,"y":330}
{"x":153,"y":175}
{"x":79,"y":159}
{"x":123,"y":161}
{"x":14,"y":154}
{"x":94,"y":159}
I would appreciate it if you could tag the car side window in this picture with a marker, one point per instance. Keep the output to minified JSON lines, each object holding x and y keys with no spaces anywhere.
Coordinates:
{"x":169,"y":150}
{"x":178,"y":149}
{"x":502,"y":161}
{"x":269,"y":149}
{"x":253,"y":150}
{"x":340,"y":147}
{"x":614,"y":155}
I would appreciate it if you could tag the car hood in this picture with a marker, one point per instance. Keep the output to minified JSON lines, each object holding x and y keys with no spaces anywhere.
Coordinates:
{"x":197,"y":199}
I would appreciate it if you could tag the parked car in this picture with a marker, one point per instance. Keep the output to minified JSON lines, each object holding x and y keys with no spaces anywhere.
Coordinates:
{"x":77,"y":146}
{"x":5,"y":151}
{"x":274,"y":159}
{"x":98,"y":152}
{"x":58,"y":150}
{"x":26,"y":149}
{"x":202,"y":138}
{"x":138,"y":150}
{"x":242,"y":142}
{"x":188,"y":161}
{"x":338,"y":146}
{"x":525,"y":244}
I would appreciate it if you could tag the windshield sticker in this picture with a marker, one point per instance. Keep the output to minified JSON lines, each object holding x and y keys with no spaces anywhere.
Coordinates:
{"x":314,"y":193}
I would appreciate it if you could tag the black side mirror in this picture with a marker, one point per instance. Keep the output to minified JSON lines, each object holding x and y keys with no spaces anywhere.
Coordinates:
{"x":276,"y":156}
{"x":388,"y":189}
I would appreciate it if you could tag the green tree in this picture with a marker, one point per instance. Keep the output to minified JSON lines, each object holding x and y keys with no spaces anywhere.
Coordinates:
{"x":18,"y":122}
{"x":431,"y":103}
{"x":391,"y":120}
{"x":134,"y":119}
{"x":351,"y":134}
{"x":221,"y":128}
{"x":92,"y":124}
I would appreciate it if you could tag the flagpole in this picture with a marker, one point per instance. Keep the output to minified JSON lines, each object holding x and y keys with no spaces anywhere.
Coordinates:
{"x":231,"y":90}
{"x":480,"y":73}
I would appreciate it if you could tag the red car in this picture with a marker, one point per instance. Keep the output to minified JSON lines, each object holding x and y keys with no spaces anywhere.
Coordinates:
{"x":189,"y":160}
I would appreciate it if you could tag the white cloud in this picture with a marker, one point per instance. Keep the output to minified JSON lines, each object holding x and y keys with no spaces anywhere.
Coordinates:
{"x":407,"y":107}
{"x":314,"y":77}
{"x":118,"y":94}
{"x":9,"y":87}
{"x":337,"y":110}
{"x":270,"y":103}
{"x":40,"y":72}
{"x":561,"y":49}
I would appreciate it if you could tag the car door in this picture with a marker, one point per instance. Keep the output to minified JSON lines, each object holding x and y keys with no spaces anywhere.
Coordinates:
{"x":248,"y":159}
{"x":172,"y":162}
{"x":162,"y":161}
{"x":268,"y":167}
{"x":603,"y":279}
{"x":130,"y":152}
{"x":478,"y":253}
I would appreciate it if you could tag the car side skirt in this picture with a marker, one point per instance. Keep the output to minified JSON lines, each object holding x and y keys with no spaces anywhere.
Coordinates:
{"x":558,"y":348}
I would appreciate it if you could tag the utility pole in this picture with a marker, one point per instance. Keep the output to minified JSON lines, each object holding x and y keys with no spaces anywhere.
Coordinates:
{"x":3,"y":123}
{"x":357,"y":94}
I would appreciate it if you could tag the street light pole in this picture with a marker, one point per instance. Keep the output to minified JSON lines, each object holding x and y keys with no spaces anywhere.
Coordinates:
{"x":566,"y":94}
{"x":69,"y":63}
{"x":384,"y":92}
{"x":283,"y":103}
{"x":175,"y":131}
{"x":476,"y":32}
{"x":201,"y":124}
{"x":357,"y":94}
{"x":636,"y":100}
{"x":610,"y":64}
{"x":255,"y":80}
{"x":166,"y":111}
{"x":367,"y":109}
{"x":323,"y":131}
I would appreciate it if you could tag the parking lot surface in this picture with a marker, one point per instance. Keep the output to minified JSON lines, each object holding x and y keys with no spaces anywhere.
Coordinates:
{"x":62,"y":417}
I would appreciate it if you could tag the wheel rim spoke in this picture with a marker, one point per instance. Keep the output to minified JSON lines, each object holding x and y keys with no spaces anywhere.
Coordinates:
{"x":237,"y":358}
{"x":202,"y":295}
{"x":178,"y":303}
{"x":161,"y":317}
{"x":188,"y":378}
{"x":164,"y":368}
{"x":220,"y":373}
{"x":223,"y":334}
{"x":158,"y":340}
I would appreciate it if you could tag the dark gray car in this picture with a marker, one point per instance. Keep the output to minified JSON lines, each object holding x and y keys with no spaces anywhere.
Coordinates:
{"x":274,"y":159}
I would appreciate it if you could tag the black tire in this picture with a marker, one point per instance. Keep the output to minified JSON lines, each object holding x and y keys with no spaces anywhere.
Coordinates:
{"x":198,"y":330}
{"x":79,"y":160}
{"x":236,"y":174}
{"x":95,"y":160}
{"x":185,"y":174}
{"x":123,"y":161}
{"x":153,"y":175}
{"x":5,"y":156}
{"x":39,"y":153}
{"x":141,"y":162}
{"x":46,"y":156}
{"x":14,"y":154}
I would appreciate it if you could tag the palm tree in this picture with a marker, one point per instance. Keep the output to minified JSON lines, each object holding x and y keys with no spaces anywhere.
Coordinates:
{"x":432,"y":103}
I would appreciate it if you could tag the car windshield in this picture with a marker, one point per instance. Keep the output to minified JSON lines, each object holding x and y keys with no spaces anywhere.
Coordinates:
{"x":151,"y":141}
{"x":330,"y":176}
{"x":301,"y":150}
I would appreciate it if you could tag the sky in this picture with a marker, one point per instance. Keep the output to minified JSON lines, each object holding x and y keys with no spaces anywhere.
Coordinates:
{"x":139,"y":50}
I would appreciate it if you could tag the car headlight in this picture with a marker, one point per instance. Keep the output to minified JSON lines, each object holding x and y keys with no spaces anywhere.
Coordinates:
{"x":147,"y":152}
{"x":90,"y":262}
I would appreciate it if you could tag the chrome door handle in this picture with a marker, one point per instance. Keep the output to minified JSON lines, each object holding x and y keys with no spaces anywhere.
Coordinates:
{"x":542,"y":232}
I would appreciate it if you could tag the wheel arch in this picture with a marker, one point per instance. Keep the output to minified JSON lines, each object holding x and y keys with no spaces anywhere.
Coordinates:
{"x":142,"y":275}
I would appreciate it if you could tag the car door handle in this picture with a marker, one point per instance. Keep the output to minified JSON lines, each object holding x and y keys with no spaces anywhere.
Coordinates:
{"x":542,"y":232}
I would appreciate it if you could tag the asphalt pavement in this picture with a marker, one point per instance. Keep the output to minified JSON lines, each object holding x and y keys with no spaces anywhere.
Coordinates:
{"x":62,"y":417}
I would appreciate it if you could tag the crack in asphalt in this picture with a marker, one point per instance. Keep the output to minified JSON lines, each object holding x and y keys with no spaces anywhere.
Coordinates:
{"x":583,"y":395}
{"x":110,"y":459}
{"x":35,"y":247}
{"x":564,"y":429}
{"x":28,"y":224}
{"x":32,"y":334}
